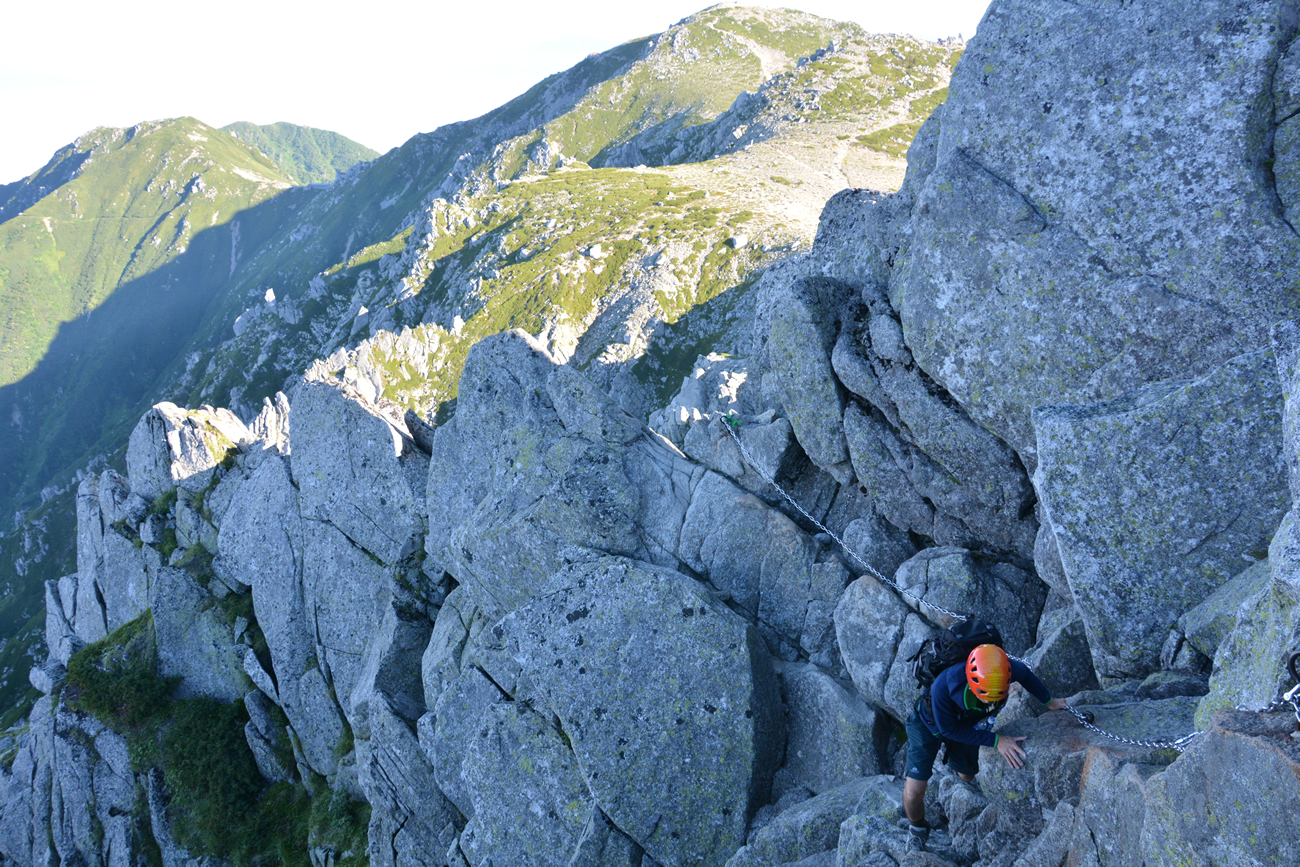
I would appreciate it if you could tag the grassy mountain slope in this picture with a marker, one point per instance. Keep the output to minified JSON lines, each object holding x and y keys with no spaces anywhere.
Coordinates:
{"x":104,"y":278}
{"x":506,"y":247}
{"x":303,"y":153}
{"x":620,"y":209}
{"x":136,"y":199}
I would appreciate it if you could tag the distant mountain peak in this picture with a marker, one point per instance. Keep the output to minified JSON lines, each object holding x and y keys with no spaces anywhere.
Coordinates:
{"x":306,"y":154}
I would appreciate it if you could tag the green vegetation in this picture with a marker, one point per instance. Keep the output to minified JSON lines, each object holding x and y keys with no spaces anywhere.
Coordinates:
{"x":139,"y":206}
{"x":115,"y":678}
{"x":895,"y":140}
{"x":303,"y":153}
{"x":144,"y":235}
{"x":220,"y":806}
{"x":210,"y":770}
{"x":164,"y":503}
{"x":125,"y":262}
{"x":45,"y":548}
{"x":531,"y":267}
{"x":796,"y":37}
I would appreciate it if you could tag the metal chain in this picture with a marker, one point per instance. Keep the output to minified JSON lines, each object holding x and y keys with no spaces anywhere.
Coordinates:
{"x":1085,"y":720}
{"x":1292,"y":698}
{"x":730,"y":422}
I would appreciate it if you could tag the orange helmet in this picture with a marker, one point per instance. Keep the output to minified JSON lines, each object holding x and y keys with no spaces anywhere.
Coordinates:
{"x":988,"y":673}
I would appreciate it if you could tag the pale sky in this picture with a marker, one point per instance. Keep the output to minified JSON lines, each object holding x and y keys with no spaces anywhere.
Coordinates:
{"x":378,"y":73}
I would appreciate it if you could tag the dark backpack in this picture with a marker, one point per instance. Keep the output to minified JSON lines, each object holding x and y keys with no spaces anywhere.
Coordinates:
{"x":953,"y":645}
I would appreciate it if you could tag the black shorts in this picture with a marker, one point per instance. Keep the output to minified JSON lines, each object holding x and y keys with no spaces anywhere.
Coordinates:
{"x":923,"y":748}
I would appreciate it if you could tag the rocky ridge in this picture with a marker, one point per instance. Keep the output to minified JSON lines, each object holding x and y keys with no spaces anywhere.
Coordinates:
{"x":526,"y":217}
{"x":548,"y":630}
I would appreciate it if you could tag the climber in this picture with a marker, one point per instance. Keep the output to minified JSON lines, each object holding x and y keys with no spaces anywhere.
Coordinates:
{"x":961,"y":697}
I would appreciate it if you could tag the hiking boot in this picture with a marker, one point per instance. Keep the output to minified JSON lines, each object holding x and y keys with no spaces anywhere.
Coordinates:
{"x":916,"y":838}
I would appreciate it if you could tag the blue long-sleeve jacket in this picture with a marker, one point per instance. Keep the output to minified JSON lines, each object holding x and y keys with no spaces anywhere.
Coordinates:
{"x":956,"y":710}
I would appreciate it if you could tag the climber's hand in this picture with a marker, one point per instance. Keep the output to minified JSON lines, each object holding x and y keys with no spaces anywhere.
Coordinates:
{"x":1056,"y":704}
{"x":1011,"y":751}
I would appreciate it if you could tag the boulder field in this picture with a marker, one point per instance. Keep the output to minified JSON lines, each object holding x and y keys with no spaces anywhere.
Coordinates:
{"x":1053,"y":382}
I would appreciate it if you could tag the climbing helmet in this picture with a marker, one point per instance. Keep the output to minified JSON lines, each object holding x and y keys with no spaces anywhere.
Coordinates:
{"x":988,"y":673}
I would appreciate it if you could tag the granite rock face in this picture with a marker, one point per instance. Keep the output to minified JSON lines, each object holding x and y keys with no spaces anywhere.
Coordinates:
{"x":524,"y":812}
{"x":974,"y":586}
{"x":1154,"y":499}
{"x":1249,"y":662}
{"x":1061,"y":658}
{"x":869,"y":624}
{"x":1037,"y":385}
{"x":509,"y":484}
{"x":668,"y":698}
{"x":930,"y":466}
{"x":800,"y":339}
{"x":411,"y":821}
{"x":833,"y":736}
{"x":262,"y":546}
{"x":1208,"y":624}
{"x":172,"y":446}
{"x":805,"y":830}
{"x":1230,"y":774}
{"x":768,"y":566}
{"x":1050,"y":259}
{"x":356,"y":470}
{"x":194,"y":642}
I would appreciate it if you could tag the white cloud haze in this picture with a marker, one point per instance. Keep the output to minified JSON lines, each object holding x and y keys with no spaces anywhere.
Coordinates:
{"x":378,"y":73}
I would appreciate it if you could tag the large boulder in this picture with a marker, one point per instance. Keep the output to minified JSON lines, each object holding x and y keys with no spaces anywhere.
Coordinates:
{"x":1058,"y":755}
{"x":664,"y":481}
{"x":195,"y":641}
{"x":88,"y":607}
{"x":262,"y":545}
{"x":1224,"y":801}
{"x":1061,"y":657}
{"x":803,"y":322}
{"x":1230,"y":798}
{"x":124,"y":577}
{"x":458,"y":623}
{"x":356,"y":469}
{"x":1249,"y":661}
{"x":391,"y":670}
{"x":834,"y":737}
{"x":1147,"y":533}
{"x":345,"y":596}
{"x":267,"y":738}
{"x":60,"y":634}
{"x":1208,"y":624}
{"x":510,"y":485}
{"x":879,"y":458}
{"x":448,"y":730}
{"x":766,"y":564}
{"x":975,"y":586}
{"x":93,"y":792}
{"x":1097,"y":217}
{"x":530,"y":802}
{"x":919,"y":444}
{"x":804,"y":830}
{"x":173,"y":446}
{"x":868,"y":627}
{"x":667,"y":698}
{"x":410,"y":820}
